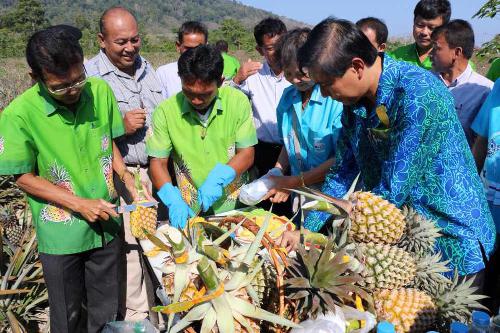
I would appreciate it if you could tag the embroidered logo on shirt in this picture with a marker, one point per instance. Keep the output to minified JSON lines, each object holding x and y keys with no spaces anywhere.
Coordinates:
{"x":107,"y":170}
{"x":1,"y":144}
{"x":105,"y":142}
{"x":52,"y":212}
{"x":319,"y":145}
{"x":493,"y":146}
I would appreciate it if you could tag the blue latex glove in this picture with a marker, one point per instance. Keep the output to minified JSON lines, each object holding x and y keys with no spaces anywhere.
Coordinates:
{"x":213,"y":187}
{"x":178,"y":210}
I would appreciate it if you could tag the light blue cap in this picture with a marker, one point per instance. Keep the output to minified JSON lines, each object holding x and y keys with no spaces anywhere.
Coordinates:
{"x":385,"y":327}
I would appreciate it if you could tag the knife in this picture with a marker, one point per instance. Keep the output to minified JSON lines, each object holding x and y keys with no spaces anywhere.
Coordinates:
{"x":132,"y":207}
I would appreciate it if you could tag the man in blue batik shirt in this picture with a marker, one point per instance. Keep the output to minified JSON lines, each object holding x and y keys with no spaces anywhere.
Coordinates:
{"x":419,"y":157}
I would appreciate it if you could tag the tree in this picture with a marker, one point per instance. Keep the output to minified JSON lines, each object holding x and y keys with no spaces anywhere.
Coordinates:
{"x":489,"y":9}
{"x":490,"y":49}
{"x":28,"y":17}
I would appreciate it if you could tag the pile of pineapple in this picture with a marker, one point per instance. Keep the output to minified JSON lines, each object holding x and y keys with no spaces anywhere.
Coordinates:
{"x":389,"y":255}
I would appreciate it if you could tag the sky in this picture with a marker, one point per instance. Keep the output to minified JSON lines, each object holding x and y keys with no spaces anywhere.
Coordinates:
{"x":397,"y":14}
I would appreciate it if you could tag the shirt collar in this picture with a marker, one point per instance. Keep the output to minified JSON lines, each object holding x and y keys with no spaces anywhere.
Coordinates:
{"x":105,"y":66}
{"x":188,"y":108}
{"x":461,"y":79}
{"x":316,"y":96}
{"x":266,"y":70}
{"x":51,"y":105}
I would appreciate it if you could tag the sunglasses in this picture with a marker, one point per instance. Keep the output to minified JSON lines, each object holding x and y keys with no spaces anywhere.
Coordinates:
{"x":63,"y":91}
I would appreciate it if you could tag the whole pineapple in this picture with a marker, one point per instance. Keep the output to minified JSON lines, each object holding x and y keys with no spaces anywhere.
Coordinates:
{"x":374,"y":219}
{"x":10,"y":225}
{"x":413,"y":310}
{"x":142,"y":218}
{"x":389,"y":267}
{"x":421,"y":233}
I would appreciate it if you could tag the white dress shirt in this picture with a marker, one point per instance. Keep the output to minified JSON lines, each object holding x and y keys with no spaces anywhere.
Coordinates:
{"x":265,"y":89}
{"x":169,"y":79}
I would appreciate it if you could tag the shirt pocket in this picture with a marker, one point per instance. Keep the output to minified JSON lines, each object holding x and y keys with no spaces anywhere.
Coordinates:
{"x":99,"y":141}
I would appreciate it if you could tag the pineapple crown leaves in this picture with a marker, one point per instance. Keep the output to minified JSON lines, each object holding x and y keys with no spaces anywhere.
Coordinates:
{"x":456,"y":300}
{"x":420,"y":234}
{"x":321,"y":279}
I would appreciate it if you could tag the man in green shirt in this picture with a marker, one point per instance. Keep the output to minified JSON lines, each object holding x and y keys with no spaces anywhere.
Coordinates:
{"x":209,"y":133}
{"x":231,"y":64}
{"x":58,"y":140}
{"x":427,"y":16}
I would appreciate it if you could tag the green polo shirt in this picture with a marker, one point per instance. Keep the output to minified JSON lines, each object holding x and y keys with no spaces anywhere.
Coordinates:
{"x":231,"y":66}
{"x":409,"y":54}
{"x":494,"y":71}
{"x":196,"y":148}
{"x":72,"y":150}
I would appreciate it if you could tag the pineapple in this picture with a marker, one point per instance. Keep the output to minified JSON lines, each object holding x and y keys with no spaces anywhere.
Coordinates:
{"x":142,"y":218}
{"x":374,"y":219}
{"x":389,"y":267}
{"x":10,"y":225}
{"x":52,"y":212}
{"x":412,"y":310}
{"x":319,"y":280}
{"x":421,"y":233}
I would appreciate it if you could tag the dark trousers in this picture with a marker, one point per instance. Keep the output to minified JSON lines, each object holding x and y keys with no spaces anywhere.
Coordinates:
{"x":83,"y":288}
{"x":266,"y":155}
{"x":492,"y":280}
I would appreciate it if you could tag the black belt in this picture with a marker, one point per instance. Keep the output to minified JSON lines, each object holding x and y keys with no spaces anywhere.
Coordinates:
{"x":132,"y":165}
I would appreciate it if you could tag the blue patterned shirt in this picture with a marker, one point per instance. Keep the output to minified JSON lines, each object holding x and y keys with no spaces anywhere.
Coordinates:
{"x":422,"y":160}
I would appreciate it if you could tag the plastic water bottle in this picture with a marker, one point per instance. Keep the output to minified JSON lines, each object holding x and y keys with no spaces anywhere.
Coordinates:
{"x":495,"y":324}
{"x":385,"y":327}
{"x":480,"y":322}
{"x":457,"y":327}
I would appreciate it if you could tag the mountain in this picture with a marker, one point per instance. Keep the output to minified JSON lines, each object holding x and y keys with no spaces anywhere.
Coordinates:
{"x":154,"y":16}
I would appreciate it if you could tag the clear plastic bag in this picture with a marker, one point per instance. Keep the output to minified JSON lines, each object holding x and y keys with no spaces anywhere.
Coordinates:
{"x":251,"y":194}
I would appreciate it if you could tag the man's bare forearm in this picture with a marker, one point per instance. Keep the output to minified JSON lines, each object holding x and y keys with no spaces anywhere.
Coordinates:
{"x":243,"y":160}
{"x":159,"y":172}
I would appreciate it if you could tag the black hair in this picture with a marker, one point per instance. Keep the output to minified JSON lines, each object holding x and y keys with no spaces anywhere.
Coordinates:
{"x":331,"y":46}
{"x":377,"y":25}
{"x":458,"y":33}
{"x":289,"y":44}
{"x":102,"y":19}
{"x":54,"y":49}
{"x":270,"y":27}
{"x":192,"y":27}
{"x":203,"y":63}
{"x":432,"y":9}
{"x":221,"y":45}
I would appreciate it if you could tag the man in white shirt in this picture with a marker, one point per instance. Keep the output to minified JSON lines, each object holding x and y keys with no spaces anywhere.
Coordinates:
{"x":264,"y":84}
{"x":190,"y":35}
{"x":453,"y":44}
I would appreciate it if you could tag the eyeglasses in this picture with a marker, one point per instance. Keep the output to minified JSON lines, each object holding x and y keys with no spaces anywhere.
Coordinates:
{"x":63,"y":91}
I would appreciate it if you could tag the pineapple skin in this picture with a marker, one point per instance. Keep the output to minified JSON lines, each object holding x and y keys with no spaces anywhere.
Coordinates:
{"x":143,"y":217}
{"x":410,"y":310}
{"x":375,"y":219}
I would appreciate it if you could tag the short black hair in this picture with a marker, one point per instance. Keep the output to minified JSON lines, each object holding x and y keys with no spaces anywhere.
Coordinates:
{"x":54,"y":49}
{"x":458,"y":33}
{"x":102,"y":19}
{"x":192,"y":27}
{"x":432,"y":9}
{"x":289,"y":44}
{"x":270,"y":27}
{"x":203,"y":63}
{"x":221,"y":45}
{"x":377,"y":25}
{"x":331,"y":46}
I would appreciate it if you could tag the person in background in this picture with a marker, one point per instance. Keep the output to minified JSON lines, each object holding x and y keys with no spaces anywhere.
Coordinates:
{"x":209,"y":133}
{"x":231,"y":64}
{"x":58,"y":140}
{"x":427,"y":16}
{"x":190,"y":35}
{"x":487,"y":155}
{"x":376,"y":31}
{"x":452,"y":48}
{"x":138,"y":92}
{"x":308,"y":123}
{"x":494,"y":71}
{"x":415,"y":155}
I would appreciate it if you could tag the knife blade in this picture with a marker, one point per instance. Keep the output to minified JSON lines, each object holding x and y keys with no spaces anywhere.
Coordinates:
{"x":132,"y":207}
